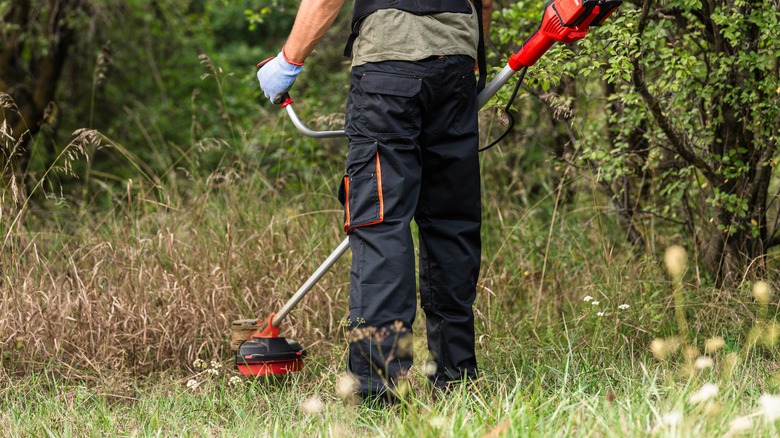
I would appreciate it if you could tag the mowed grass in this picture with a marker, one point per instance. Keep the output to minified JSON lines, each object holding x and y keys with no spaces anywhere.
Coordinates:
{"x":105,"y":315}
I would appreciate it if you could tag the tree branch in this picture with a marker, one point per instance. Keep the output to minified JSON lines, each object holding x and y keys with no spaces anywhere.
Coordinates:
{"x":638,"y":80}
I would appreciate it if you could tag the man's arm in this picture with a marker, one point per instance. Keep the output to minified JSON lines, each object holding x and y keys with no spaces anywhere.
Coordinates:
{"x":313,"y":19}
{"x":487,"y":11}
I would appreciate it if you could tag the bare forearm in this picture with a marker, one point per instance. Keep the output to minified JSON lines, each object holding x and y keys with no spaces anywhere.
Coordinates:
{"x":314,"y":18}
{"x":487,"y":11}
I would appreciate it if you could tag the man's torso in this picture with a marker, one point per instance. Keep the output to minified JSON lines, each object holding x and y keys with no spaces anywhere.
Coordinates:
{"x":394,"y":35}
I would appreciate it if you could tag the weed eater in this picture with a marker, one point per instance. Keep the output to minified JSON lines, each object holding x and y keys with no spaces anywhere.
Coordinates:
{"x":264,"y":351}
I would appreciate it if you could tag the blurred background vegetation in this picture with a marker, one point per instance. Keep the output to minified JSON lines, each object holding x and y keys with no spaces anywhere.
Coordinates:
{"x":671,"y":109}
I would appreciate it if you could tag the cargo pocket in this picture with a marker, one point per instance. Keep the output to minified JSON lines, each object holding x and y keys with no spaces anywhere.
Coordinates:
{"x":361,"y":189}
{"x":387,"y":105}
{"x":464,"y":117}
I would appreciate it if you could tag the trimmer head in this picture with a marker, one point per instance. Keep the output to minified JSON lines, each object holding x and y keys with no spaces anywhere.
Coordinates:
{"x":262,"y":356}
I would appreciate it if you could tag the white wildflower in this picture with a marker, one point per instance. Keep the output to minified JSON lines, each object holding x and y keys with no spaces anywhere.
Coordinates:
{"x":312,"y":405}
{"x":235,"y":381}
{"x":595,"y":303}
{"x":199,"y":364}
{"x":703,"y":362}
{"x":212,"y":371}
{"x":770,"y":406}
{"x":192,"y":384}
{"x":600,"y":314}
{"x":624,"y":307}
{"x":587,"y":298}
{"x":216,"y":365}
{"x":706,"y":392}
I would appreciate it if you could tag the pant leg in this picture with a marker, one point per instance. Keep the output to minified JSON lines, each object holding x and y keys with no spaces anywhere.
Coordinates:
{"x":381,"y":187}
{"x":413,"y":150}
{"x":449,"y":218}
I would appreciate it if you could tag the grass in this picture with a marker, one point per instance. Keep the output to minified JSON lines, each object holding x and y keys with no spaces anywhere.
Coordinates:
{"x":513,"y":398}
{"x":104,"y":325}
{"x":105,"y":313}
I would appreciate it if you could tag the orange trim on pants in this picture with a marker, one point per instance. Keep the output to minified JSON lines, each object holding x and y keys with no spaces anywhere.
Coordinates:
{"x":381,"y":218}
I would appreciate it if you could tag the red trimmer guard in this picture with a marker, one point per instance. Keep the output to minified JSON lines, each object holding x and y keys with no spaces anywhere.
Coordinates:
{"x":268,"y":368}
{"x":266,"y":353}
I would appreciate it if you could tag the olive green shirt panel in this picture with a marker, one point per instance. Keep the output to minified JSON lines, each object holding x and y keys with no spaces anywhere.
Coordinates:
{"x":395,"y":35}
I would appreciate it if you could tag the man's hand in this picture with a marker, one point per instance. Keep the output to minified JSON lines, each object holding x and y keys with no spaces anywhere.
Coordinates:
{"x":277,"y":76}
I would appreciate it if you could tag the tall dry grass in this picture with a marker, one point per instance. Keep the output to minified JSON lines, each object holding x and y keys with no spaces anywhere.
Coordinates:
{"x":155,"y":282}
{"x":159,"y":292}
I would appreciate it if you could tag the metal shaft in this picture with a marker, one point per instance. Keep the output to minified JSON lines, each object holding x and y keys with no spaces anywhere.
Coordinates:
{"x":492,"y":88}
{"x":315,"y":277}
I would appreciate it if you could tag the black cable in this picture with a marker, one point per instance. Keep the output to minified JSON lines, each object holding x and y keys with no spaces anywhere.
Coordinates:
{"x":508,"y":113}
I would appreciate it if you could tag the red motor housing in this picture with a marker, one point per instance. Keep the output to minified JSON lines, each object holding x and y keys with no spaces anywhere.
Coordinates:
{"x":564,"y":21}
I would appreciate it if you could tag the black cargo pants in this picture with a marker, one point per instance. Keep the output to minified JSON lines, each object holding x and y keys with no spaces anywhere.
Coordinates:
{"x":413,"y":140}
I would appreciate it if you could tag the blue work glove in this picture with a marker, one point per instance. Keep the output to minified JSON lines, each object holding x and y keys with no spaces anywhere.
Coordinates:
{"x":277,"y":75}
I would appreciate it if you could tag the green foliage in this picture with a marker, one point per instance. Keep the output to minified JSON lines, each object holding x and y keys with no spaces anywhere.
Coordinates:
{"x":173,"y":85}
{"x":677,"y":112}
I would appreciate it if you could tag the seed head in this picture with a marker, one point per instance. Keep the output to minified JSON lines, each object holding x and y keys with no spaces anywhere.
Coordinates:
{"x":659,"y":348}
{"x":770,"y":335}
{"x":706,"y":392}
{"x":430,"y":368}
{"x":674,"y":344}
{"x":691,"y":353}
{"x":346,"y":386}
{"x":703,"y":363}
{"x":770,"y":407}
{"x":235,"y":381}
{"x":713,"y":409}
{"x":676,"y":260}
{"x":762,"y":292}
{"x":712,"y":345}
{"x":740,"y":425}
{"x":671,"y":419}
{"x":312,"y":405}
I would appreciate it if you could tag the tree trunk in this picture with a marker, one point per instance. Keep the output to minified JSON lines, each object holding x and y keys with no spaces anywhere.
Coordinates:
{"x":30,"y":77}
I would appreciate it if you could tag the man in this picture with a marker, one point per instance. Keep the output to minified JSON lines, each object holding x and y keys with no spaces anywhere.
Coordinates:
{"x":411,"y":121}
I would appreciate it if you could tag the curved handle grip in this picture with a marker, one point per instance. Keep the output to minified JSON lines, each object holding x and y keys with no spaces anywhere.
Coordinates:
{"x":287,"y":105}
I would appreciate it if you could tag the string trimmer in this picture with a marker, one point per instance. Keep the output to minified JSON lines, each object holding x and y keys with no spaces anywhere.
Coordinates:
{"x":564,"y":21}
